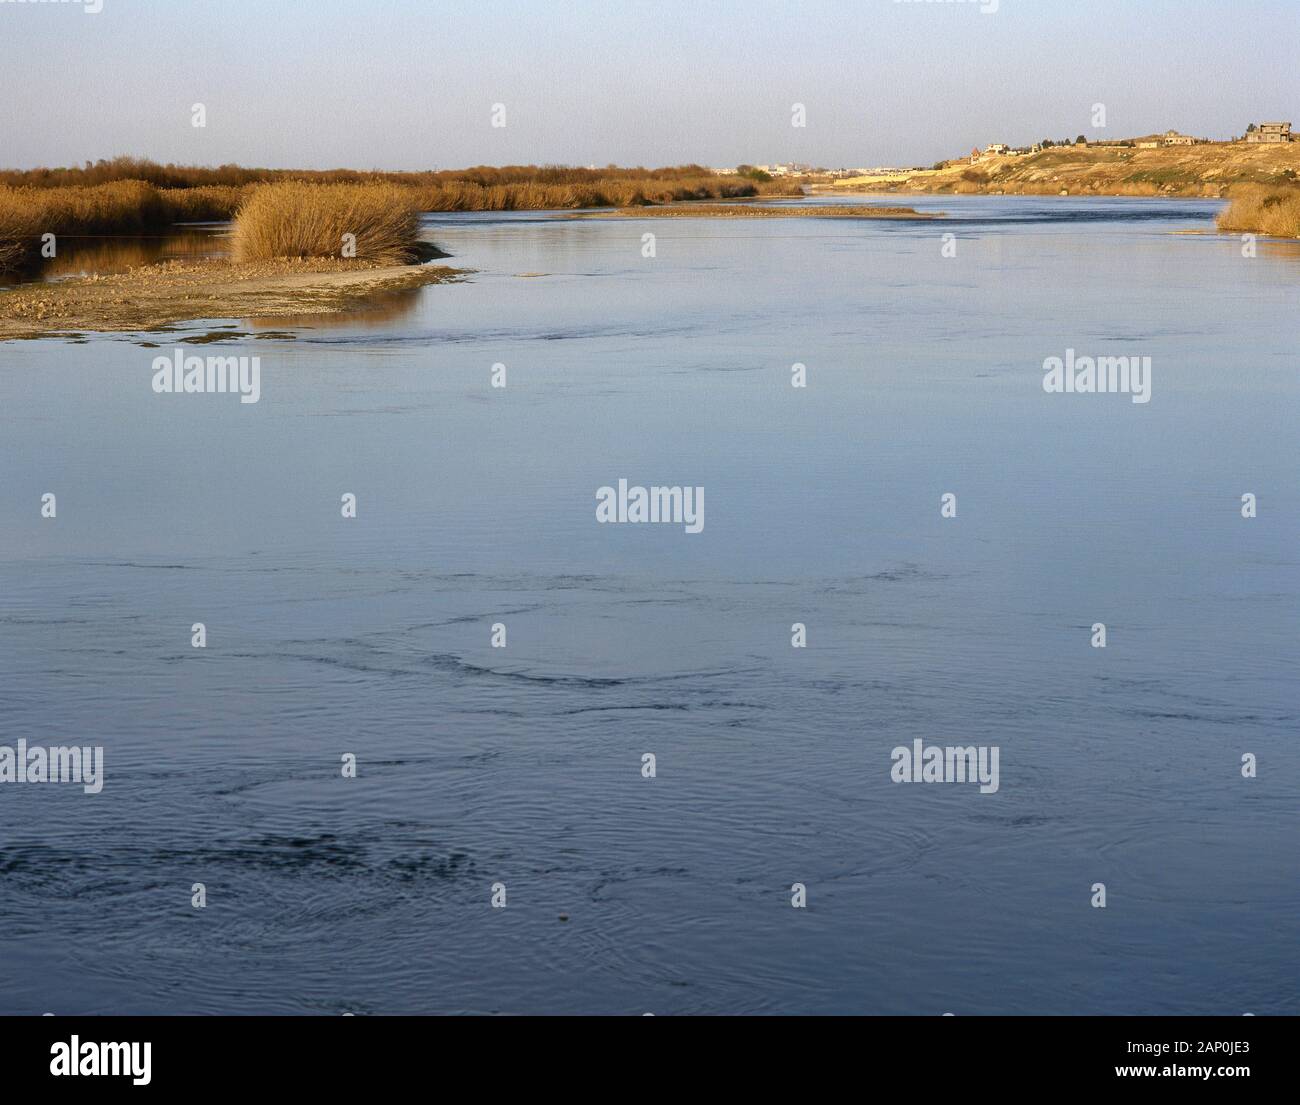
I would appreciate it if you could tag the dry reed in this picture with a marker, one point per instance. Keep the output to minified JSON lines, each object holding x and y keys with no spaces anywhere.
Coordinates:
{"x":1273,"y":210}
{"x":130,"y":196}
{"x":370,"y":222}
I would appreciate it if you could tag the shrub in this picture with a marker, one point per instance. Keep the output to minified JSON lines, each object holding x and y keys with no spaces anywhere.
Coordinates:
{"x":294,"y":219}
{"x":1263,"y":209}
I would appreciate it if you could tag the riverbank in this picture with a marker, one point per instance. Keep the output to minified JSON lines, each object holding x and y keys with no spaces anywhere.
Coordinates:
{"x":156,"y":296}
{"x":1206,"y":171}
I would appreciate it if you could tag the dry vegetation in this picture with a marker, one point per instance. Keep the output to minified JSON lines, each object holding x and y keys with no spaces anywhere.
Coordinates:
{"x":549,"y":181}
{"x":1210,"y":170}
{"x":130,"y":196}
{"x":294,"y":219}
{"x":1261,"y":209}
{"x":124,"y":206}
{"x":207,"y":203}
{"x":194,"y":176}
{"x":465,"y":195}
{"x":121,"y":207}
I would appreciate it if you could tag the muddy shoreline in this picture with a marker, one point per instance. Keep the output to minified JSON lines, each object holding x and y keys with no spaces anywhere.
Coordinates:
{"x":156,"y":296}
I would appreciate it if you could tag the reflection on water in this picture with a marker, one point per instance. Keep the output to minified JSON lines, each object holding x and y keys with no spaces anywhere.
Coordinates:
{"x":380,"y":310}
{"x":104,"y":254}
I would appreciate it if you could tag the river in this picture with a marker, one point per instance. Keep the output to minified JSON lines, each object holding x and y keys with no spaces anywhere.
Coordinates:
{"x":522,"y":765}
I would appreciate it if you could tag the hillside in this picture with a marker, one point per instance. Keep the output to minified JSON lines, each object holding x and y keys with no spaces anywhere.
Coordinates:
{"x":1206,"y":170}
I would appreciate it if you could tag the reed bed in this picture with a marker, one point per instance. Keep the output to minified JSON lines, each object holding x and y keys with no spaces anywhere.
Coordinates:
{"x":1273,"y":210}
{"x":122,"y":208}
{"x":237,"y":176}
{"x":27,"y":214}
{"x":377,"y":222}
{"x":464,"y":195}
{"x":124,"y":205}
{"x":127,"y":196}
{"x":206,"y":203}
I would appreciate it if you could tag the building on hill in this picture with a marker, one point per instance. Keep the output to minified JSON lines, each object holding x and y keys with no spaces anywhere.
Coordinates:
{"x":1271,"y":132}
{"x":995,"y":148}
{"x":1173,"y":138}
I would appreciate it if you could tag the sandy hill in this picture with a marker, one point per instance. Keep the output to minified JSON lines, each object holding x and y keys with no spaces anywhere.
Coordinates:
{"x":1206,"y":170}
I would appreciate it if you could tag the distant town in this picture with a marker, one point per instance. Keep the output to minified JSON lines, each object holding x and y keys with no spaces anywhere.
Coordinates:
{"x":1255,"y":134}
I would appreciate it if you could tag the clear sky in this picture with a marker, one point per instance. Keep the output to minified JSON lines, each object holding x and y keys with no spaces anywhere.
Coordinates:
{"x":398,"y":84}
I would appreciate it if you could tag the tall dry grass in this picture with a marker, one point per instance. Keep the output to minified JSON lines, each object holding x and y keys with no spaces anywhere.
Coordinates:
{"x":124,"y":207}
{"x":295,"y":219}
{"x":12,"y":249}
{"x":237,"y":176}
{"x":131,"y":196}
{"x":469,"y":195}
{"x":27,"y":214}
{"x":204,"y":203}
{"x":1263,"y":209}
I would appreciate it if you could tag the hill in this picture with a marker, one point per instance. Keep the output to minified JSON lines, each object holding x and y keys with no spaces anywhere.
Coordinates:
{"x":1204,"y":170}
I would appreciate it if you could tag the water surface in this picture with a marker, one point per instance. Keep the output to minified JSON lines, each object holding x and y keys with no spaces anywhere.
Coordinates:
{"x":522,"y":765}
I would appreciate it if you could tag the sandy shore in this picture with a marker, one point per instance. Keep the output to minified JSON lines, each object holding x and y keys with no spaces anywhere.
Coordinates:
{"x":176,"y":291}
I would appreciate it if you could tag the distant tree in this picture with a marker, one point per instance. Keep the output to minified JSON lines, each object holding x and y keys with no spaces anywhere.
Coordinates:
{"x":1047,"y":143}
{"x":750,"y":173}
{"x":1081,"y":141}
{"x":1251,"y":129}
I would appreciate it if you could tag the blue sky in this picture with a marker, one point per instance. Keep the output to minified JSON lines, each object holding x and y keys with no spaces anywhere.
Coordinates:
{"x":411,"y":83}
